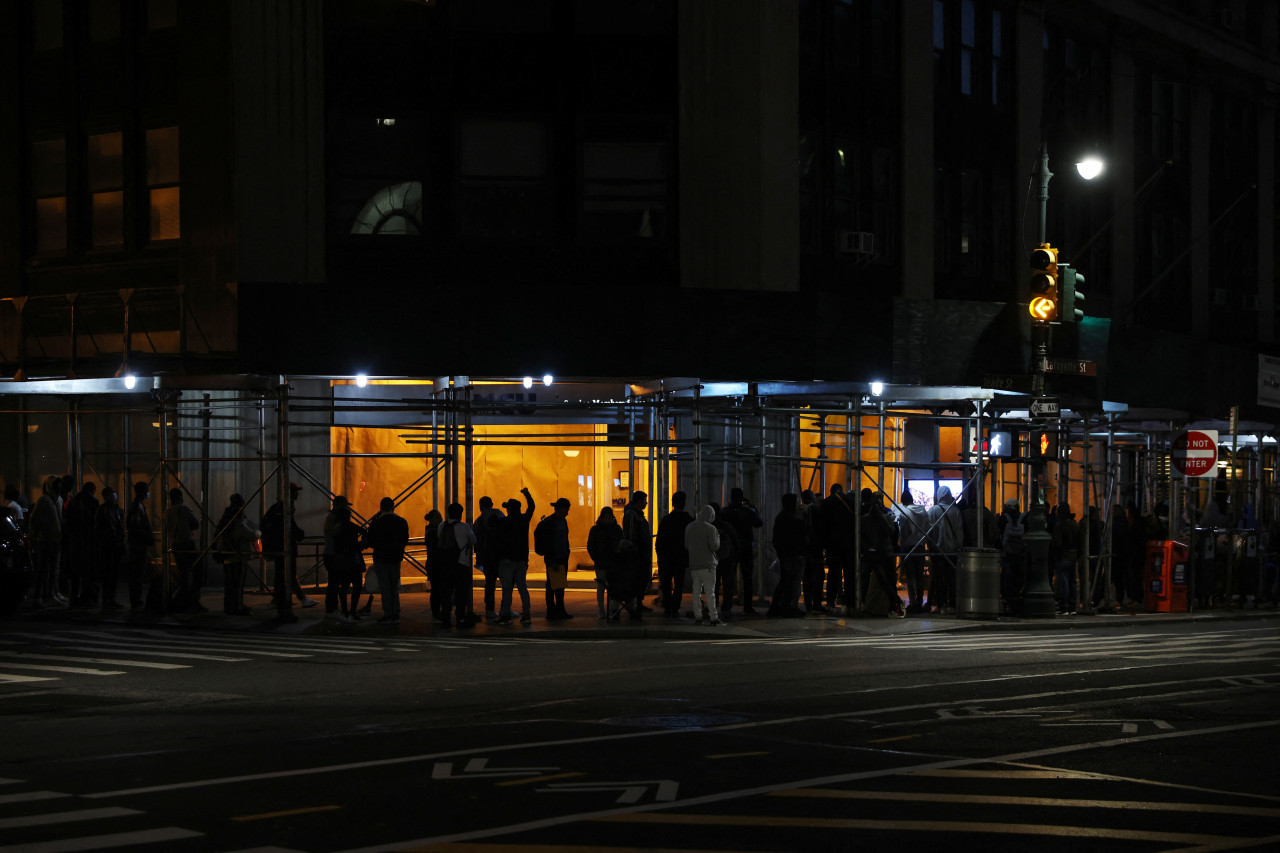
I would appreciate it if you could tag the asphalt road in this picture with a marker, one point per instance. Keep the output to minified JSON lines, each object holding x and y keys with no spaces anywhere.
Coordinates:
{"x":1127,"y":738}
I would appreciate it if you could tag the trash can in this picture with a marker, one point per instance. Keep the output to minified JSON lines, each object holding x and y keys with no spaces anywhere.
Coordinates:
{"x":1167,"y":577}
{"x":978,"y":583}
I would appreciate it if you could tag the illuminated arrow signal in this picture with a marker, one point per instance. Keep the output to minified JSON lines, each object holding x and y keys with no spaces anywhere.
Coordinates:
{"x":1042,"y":308}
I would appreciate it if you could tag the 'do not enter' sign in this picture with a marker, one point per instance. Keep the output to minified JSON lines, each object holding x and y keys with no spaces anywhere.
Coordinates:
{"x":1195,"y":453}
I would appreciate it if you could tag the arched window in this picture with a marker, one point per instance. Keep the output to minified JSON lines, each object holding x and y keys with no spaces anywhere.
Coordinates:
{"x":393,"y":210}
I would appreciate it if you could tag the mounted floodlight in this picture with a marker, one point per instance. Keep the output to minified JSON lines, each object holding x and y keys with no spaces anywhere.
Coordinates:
{"x":1090,"y":167}
{"x":528,"y":382}
{"x":547,"y":379}
{"x":361,"y":380}
{"x":130,"y":381}
{"x":877,"y":388}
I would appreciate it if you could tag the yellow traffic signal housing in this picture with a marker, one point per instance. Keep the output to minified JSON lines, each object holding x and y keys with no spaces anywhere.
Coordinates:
{"x":1045,"y":303}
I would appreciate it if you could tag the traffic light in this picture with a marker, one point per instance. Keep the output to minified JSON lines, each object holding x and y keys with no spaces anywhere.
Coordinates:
{"x":1069,"y":309}
{"x":1043,"y":444}
{"x":1044,"y":303}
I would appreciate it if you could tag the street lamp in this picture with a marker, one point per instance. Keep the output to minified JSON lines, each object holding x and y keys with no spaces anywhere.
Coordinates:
{"x":1090,"y":167}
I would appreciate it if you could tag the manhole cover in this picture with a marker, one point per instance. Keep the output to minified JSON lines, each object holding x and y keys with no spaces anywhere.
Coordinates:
{"x":675,"y":721}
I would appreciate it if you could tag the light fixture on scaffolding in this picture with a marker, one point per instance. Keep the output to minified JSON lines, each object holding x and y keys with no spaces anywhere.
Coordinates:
{"x":877,"y":388}
{"x":528,"y":382}
{"x":362,"y":379}
{"x":547,"y":379}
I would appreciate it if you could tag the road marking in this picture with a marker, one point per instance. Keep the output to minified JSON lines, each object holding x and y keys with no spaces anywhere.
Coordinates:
{"x":170,"y":644}
{"x":127,"y":651}
{"x":72,"y":669}
{"x":102,"y":842}
{"x":20,"y":679}
{"x":286,"y":813}
{"x":477,"y":768}
{"x":1271,"y":842}
{"x":542,"y":848}
{"x":665,"y":790}
{"x":737,"y":754}
{"x":924,"y":826}
{"x":723,"y":796}
{"x":1112,"y":778}
{"x":1129,"y":727}
{"x":64,"y":817}
{"x":31,"y":796}
{"x":891,"y":739}
{"x":1056,"y":802}
{"x":540,"y":778}
{"x":107,"y":661}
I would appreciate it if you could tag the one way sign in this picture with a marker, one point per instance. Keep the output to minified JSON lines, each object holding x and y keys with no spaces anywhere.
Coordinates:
{"x":1043,"y":407}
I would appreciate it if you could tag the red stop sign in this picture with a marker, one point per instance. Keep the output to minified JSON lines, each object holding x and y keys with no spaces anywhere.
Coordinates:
{"x":1195,"y":453}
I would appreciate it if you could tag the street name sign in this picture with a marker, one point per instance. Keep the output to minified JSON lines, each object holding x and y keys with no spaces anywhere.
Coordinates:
{"x":1195,"y":453}
{"x":1042,"y":407}
{"x":1074,"y":367}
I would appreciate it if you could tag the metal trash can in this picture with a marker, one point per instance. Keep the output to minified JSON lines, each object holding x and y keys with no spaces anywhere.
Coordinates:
{"x":978,"y":583}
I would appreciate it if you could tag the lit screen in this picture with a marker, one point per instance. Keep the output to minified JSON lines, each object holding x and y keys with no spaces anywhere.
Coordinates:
{"x":922,"y":490}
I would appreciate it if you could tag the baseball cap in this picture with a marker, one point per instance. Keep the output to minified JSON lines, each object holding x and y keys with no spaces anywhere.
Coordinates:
{"x":562,"y":502}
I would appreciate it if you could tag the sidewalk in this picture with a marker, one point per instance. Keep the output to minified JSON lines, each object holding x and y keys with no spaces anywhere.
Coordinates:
{"x":416,"y":621}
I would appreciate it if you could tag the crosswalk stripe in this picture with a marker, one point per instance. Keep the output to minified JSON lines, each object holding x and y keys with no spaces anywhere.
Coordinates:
{"x":103,"y":842}
{"x":309,"y":643}
{"x":171,"y":645}
{"x":65,"y":817}
{"x":115,"y":650}
{"x":18,"y":679}
{"x":77,"y":670}
{"x":30,"y":796}
{"x":107,"y":661}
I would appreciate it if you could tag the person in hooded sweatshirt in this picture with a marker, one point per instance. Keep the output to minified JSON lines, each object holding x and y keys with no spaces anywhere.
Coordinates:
{"x":913,"y":522}
{"x":946,"y":534}
{"x":702,"y":540}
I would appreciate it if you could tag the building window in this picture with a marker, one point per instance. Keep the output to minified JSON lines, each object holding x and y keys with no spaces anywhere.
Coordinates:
{"x":104,"y":20}
{"x":162,"y":184}
{"x":106,"y":188}
{"x":49,"y":187}
{"x":162,"y":14}
{"x":46,"y":24}
{"x":997,"y":56}
{"x":968,"y":41}
{"x":504,"y":191}
{"x":624,"y":191}
{"x":394,"y":210}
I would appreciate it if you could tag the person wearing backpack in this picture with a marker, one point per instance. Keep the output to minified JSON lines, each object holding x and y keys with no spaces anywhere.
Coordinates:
{"x":1013,"y":556}
{"x":457,"y":547}
{"x":913,"y":522}
{"x":551,"y":542}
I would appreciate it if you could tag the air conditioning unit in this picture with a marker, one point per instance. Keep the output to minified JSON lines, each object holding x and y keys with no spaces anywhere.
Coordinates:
{"x":1251,"y":303}
{"x":1218,"y":296}
{"x":856,"y":242}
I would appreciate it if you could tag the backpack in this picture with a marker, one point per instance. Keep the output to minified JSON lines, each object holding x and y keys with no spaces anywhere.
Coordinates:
{"x":1013,"y":532}
{"x":544,"y":537}
{"x":449,"y":550}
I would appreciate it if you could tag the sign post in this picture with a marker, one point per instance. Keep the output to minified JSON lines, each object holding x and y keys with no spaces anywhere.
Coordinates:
{"x":1195,"y":453}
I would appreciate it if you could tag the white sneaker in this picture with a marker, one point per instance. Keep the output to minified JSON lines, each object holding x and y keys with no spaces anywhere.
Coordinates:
{"x":60,"y":598}
{"x":309,"y":602}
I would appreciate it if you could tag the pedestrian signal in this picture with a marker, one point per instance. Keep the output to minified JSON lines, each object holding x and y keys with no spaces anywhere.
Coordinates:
{"x":1044,"y":444}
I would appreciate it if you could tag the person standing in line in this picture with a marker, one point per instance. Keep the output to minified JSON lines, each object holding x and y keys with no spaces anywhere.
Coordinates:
{"x":913,"y":522}
{"x":602,"y":547}
{"x":726,"y":557}
{"x":744,"y":519}
{"x":790,"y":542}
{"x":332,"y":565}
{"x":1013,"y":556}
{"x":637,"y":530}
{"x":180,"y":525}
{"x":488,"y":529}
{"x":347,"y":575}
{"x":16,"y":512}
{"x":111,"y":544}
{"x":702,"y":540}
{"x":1065,"y":552}
{"x":440,"y":580}
{"x":811,"y":584}
{"x":141,"y":540}
{"x":80,"y":569}
{"x":273,"y":544}
{"x":837,"y":523}
{"x":947,"y":532}
{"x":457,"y":552}
{"x":45,"y":530}
{"x":513,"y":564}
{"x":235,"y":538}
{"x":557,"y":561}
{"x":673,"y":558}
{"x":388,"y":536}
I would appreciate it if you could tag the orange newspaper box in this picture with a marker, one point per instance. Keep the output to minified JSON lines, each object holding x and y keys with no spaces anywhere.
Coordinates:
{"x":1167,"y":575}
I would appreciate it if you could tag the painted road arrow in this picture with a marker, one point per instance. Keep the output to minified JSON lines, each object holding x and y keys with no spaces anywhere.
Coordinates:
{"x":1128,"y":727}
{"x":478,"y":768}
{"x":631,"y":791}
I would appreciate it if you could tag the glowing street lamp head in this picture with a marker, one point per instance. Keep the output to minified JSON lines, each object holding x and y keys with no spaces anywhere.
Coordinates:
{"x":362,"y":380}
{"x":528,"y":382}
{"x":1090,"y":167}
{"x":547,"y":379}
